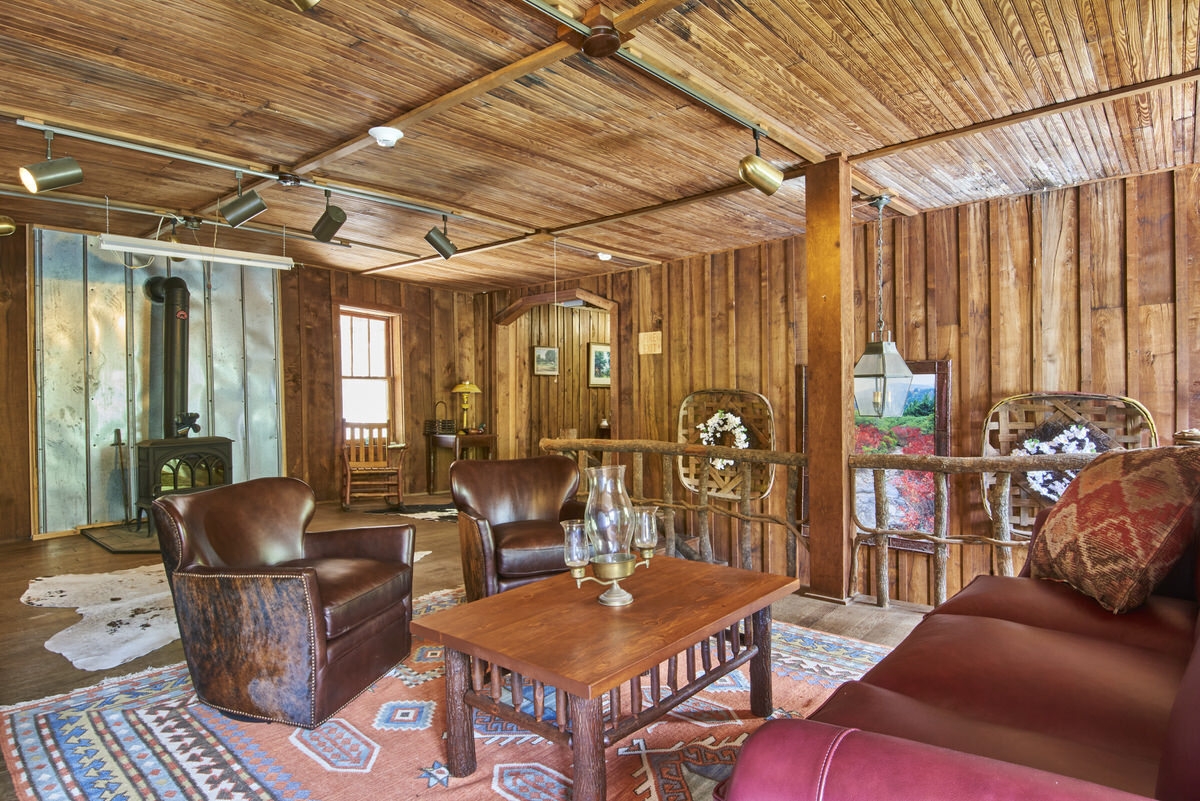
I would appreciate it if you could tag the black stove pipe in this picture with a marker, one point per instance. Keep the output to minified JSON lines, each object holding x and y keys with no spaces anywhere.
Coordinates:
{"x":173,"y":294}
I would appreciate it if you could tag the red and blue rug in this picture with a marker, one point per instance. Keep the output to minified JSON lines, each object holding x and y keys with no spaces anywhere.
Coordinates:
{"x":146,"y":736}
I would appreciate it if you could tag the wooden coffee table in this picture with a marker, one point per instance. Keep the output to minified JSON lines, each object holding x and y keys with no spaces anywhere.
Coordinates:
{"x":557,"y":651}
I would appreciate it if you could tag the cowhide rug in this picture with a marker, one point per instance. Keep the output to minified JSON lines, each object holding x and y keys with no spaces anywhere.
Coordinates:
{"x":126,"y":614}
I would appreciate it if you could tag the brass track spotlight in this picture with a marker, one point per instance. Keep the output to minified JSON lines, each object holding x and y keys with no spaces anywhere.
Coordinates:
{"x":8,"y":225}
{"x":243,"y":207}
{"x":305,"y":5}
{"x":760,"y":173}
{"x":331,"y":220}
{"x":440,"y":241}
{"x":52,"y":173}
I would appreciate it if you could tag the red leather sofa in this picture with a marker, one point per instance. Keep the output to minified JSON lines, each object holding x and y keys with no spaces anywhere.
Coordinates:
{"x":1016,"y":688}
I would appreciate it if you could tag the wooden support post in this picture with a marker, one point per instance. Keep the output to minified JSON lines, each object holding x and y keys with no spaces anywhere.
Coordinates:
{"x":830,"y":295}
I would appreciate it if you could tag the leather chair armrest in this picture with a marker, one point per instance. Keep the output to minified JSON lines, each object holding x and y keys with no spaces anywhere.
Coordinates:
{"x":389,"y":542}
{"x":478,"y":551}
{"x":789,"y":760}
{"x":254,"y":638}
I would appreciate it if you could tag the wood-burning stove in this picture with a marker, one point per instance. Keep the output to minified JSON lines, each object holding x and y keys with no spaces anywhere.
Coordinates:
{"x":177,"y":463}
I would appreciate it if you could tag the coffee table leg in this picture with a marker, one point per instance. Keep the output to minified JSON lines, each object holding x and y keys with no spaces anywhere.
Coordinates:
{"x":761,"y":699}
{"x":460,"y":742}
{"x":587,"y":748}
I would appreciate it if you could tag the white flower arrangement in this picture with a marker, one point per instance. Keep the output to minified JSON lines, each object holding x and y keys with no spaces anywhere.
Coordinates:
{"x":1052,"y":484}
{"x":713,"y":429}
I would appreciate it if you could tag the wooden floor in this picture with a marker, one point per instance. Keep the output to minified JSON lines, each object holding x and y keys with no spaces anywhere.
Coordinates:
{"x":28,"y":671}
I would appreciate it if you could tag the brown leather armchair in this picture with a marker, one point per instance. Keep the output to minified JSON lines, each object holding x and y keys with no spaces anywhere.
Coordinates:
{"x":508,"y":515}
{"x":278,"y":623}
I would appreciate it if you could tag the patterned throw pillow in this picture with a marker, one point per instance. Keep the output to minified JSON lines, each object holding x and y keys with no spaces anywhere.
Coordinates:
{"x":1121,"y":525}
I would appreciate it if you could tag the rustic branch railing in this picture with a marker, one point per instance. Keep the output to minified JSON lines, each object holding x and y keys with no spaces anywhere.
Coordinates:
{"x":1003,"y":537}
{"x":668,"y":452}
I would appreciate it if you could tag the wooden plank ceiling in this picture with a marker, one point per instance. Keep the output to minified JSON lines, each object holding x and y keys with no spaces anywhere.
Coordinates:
{"x":544,"y":157}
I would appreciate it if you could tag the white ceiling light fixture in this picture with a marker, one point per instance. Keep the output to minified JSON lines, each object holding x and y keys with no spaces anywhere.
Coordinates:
{"x":159,"y":247}
{"x":385,"y":135}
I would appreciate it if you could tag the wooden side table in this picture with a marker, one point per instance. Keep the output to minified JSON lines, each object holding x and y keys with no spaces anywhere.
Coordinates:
{"x":458,"y":444}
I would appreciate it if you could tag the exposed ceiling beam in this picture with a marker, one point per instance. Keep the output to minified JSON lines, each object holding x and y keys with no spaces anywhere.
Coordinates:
{"x":514,"y":310}
{"x":1032,"y":114}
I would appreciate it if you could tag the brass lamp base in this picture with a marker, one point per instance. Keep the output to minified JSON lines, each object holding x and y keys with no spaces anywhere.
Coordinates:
{"x":610,"y":569}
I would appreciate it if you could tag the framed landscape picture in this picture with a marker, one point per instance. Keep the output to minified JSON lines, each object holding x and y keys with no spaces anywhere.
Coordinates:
{"x":545,"y":361}
{"x":599,"y":365}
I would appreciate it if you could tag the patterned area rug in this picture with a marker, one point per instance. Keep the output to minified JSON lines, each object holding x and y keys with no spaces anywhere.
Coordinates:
{"x":146,"y":736}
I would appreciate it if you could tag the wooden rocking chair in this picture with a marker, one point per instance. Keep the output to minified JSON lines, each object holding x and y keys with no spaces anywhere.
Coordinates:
{"x":372,"y":466}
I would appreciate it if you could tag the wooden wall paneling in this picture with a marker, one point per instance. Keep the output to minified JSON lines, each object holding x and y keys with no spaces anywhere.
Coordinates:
{"x":1055,"y":309}
{"x":916,"y":317}
{"x":1150,"y":287}
{"x":17,"y":411}
{"x":1010,"y":303}
{"x":975,"y":357}
{"x":1187,"y":300}
{"x":703,"y":336}
{"x":644,"y":371}
{"x":291,"y":346}
{"x":419,"y":396}
{"x":1102,"y":288}
{"x":476,"y":311}
{"x":320,"y":380}
{"x":622,"y":339}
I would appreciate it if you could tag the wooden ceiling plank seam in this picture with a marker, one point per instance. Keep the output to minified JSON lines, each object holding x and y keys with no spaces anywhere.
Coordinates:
{"x":981,"y":33}
{"x":918,"y":39}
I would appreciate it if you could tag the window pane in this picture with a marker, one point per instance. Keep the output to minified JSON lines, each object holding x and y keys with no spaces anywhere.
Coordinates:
{"x":360,"y":363}
{"x":347,"y":351}
{"x":378,"y":346}
{"x":365,"y":400}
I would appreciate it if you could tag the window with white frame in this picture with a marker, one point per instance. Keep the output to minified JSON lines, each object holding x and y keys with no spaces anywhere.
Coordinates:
{"x":368,"y":367}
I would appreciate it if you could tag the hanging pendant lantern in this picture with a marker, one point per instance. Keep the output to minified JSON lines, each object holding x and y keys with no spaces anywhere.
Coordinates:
{"x":881,"y":377}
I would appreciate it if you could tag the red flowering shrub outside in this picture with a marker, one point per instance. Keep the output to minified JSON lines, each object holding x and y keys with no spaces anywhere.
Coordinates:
{"x":912,"y":507}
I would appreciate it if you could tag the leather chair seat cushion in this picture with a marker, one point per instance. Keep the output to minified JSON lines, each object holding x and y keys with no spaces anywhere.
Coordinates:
{"x":529,"y":548}
{"x":355,"y":589}
{"x":883,"y":711}
{"x":1163,"y":624}
{"x":1084,"y":690}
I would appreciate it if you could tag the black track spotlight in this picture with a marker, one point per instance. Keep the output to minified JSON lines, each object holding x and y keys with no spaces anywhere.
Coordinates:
{"x":52,"y":173}
{"x":331,"y":220}
{"x":243,"y":207}
{"x":441,"y":243}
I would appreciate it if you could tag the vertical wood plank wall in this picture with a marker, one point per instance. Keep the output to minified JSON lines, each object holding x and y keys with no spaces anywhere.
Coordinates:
{"x":16,"y":412}
{"x":443,"y":338}
{"x":1092,"y":288}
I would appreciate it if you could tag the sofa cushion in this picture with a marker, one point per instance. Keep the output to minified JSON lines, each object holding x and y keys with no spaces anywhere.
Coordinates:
{"x":876,"y":709}
{"x":355,"y":590}
{"x":1121,"y":525}
{"x":1161,"y":624}
{"x":529,"y":548}
{"x":1085,"y":690}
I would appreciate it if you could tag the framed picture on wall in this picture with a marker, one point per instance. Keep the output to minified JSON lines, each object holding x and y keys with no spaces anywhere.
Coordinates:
{"x":599,"y":365}
{"x":545,"y":361}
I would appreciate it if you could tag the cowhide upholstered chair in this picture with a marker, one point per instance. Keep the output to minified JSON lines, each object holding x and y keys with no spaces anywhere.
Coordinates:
{"x":279,"y":623}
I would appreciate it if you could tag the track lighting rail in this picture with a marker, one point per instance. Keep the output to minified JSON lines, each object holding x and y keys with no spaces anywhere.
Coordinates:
{"x":287,"y":179}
